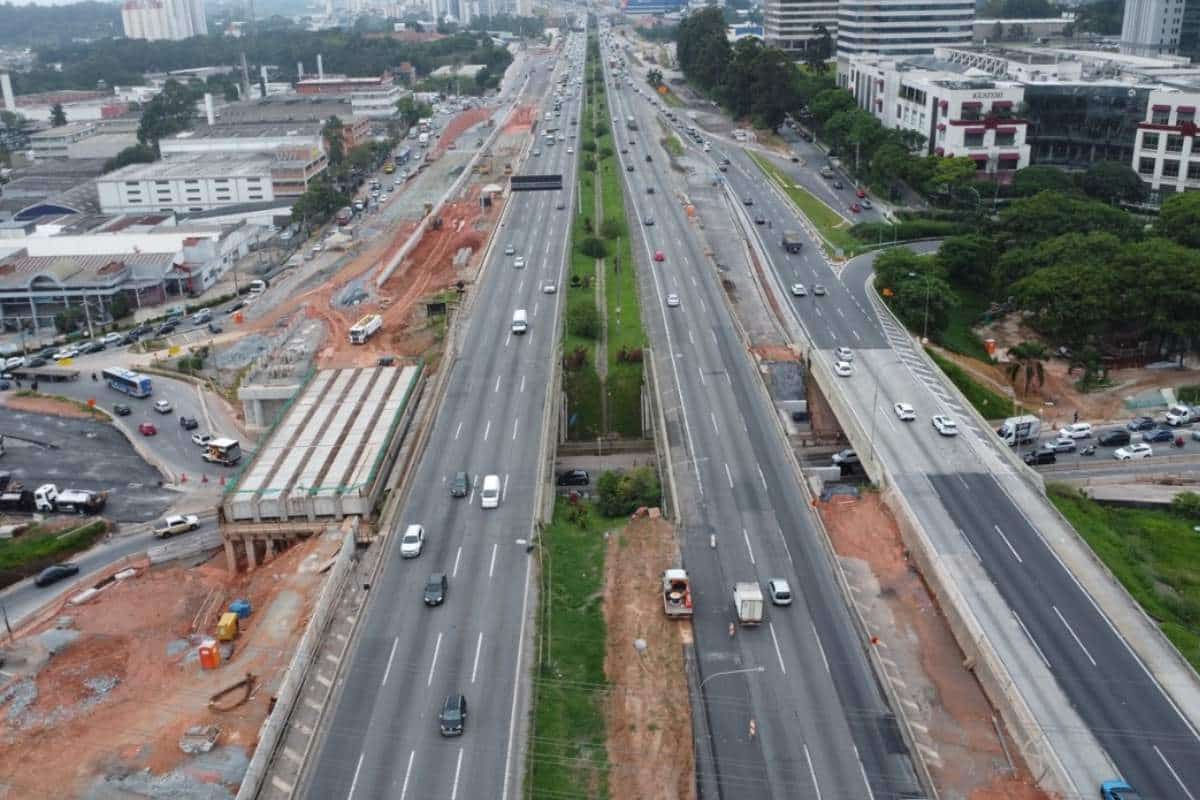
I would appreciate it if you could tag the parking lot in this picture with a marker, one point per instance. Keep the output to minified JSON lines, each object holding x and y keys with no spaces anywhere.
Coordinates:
{"x":81,"y":454}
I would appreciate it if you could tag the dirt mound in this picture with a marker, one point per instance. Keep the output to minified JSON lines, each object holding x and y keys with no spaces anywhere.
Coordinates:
{"x":520,"y":120}
{"x":462,"y":122}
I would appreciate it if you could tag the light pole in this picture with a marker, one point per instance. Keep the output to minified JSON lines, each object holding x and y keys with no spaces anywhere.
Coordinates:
{"x":729,"y":672}
{"x":928,"y":286}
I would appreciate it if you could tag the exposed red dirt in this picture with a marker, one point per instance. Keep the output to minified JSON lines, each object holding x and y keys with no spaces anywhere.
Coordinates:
{"x":462,"y":122}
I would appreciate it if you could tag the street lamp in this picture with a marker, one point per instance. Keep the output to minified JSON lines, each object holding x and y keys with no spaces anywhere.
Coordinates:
{"x":729,"y":672}
{"x":925,"y":326}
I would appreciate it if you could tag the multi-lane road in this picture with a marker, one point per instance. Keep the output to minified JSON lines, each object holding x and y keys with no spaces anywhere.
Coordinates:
{"x":821,"y":726}
{"x":383,"y":739}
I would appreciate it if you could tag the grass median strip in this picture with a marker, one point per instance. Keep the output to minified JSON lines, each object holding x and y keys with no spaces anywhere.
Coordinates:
{"x":832,"y":227}
{"x":989,"y":404}
{"x":39,"y":546}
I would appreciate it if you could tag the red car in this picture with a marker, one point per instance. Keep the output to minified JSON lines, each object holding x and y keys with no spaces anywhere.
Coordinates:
{"x":146,"y":429}
{"x":658,"y":256}
{"x":861,"y":193}
{"x":855,"y":207}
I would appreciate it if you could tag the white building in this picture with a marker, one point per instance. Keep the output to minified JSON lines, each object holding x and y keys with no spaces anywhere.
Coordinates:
{"x":376,"y":103}
{"x":187,"y":185}
{"x":163,"y":19}
{"x":902,"y":27}
{"x":1152,"y":27}
{"x":1165,"y":154}
{"x":791,"y":24}
{"x":56,"y":142}
{"x":956,"y":115}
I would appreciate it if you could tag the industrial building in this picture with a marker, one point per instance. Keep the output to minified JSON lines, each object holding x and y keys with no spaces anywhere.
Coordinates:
{"x":188,"y":184}
{"x":328,"y":457}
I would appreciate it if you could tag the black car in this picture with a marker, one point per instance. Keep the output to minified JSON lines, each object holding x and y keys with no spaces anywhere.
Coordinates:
{"x":122,"y":410}
{"x":1158,"y":435}
{"x":234,"y":306}
{"x":1113,"y":438}
{"x":1140,"y":424}
{"x":837,"y":184}
{"x":435,"y":589}
{"x":166,"y":327}
{"x":92,"y":347}
{"x":460,"y":484}
{"x":760,"y":220}
{"x":649,"y":190}
{"x":56,"y":573}
{"x":1043,"y":456}
{"x":574,"y":477}
{"x":749,"y":201}
{"x":189,"y":423}
{"x":648,"y":158}
{"x":36,"y":361}
{"x":215,"y":327}
{"x":453,"y":715}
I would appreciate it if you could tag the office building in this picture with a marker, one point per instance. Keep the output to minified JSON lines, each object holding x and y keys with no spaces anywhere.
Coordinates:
{"x":791,"y":25}
{"x":155,"y":20}
{"x":1154,"y":27}
{"x":1165,"y":154}
{"x":899,"y":28}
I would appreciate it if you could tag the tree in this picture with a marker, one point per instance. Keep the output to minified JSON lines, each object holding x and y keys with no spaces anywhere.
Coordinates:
{"x":170,"y":112}
{"x":58,"y":117}
{"x":1031,"y":180}
{"x":584,"y":320}
{"x":119,"y":308}
{"x":67,"y":320}
{"x":411,"y":111}
{"x":1028,"y":358}
{"x":619,"y":493}
{"x":702,"y":48}
{"x":333,"y":132}
{"x":828,"y":102}
{"x":593,"y":247}
{"x":611,"y":228}
{"x":889,"y":164}
{"x":654,"y":77}
{"x":1049,"y":214}
{"x":969,"y":260}
{"x":1113,"y":182}
{"x":819,"y":49}
{"x":954,"y":173}
{"x":1179,"y":219}
{"x":134,"y":154}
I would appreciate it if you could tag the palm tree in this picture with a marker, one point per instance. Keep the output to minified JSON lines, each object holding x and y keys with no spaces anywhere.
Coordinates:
{"x":1027,"y":358}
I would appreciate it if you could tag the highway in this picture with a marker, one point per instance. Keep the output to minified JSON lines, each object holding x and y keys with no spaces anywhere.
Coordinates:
{"x":382,"y":739}
{"x":822,"y":728}
{"x":1083,"y":682}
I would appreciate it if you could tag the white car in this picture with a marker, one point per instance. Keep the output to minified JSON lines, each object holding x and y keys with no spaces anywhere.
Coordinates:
{"x":673,"y":301}
{"x":1076,"y":430}
{"x":201,"y":439}
{"x":1133,"y":451}
{"x":112,"y":338}
{"x":510,"y":250}
{"x":945,"y":426}
{"x":162,"y":406}
{"x":905,"y":412}
{"x":519,"y":262}
{"x":798,"y":290}
{"x":412,"y":541}
{"x":843,"y":369}
{"x":844,"y":354}
{"x":66,"y":352}
{"x":549,"y":287}
{"x":779,"y":591}
{"x":178,"y":523}
{"x":570,"y":151}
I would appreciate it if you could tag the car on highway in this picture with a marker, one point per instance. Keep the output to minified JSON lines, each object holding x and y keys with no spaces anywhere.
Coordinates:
{"x":819,"y":290}
{"x":759,"y":219}
{"x":510,"y":250}
{"x":1060,"y":445}
{"x":944,"y":425}
{"x":176,"y":523}
{"x":1118,"y":790}
{"x":905,"y":412}
{"x":629,"y":167}
{"x":1114,"y":437}
{"x":1043,"y":455}
{"x":843,"y":369}
{"x":55,"y":573}
{"x":866,"y":203}
{"x":1076,"y":430}
{"x":188,"y":423}
{"x":1133,"y":452}
{"x":453,"y":715}
{"x":779,"y":591}
{"x":749,"y":201}
{"x":860,"y":193}
{"x":648,"y":158}
{"x":435,"y":589}
{"x":855,"y":207}
{"x":673,"y":301}
{"x":1140,"y":424}
{"x":847,"y":456}
{"x":147,"y":429}
{"x":166,"y":328}
{"x":413,"y":541}
{"x":649,"y":190}
{"x":201,"y":439}
{"x":1159,"y":435}
{"x":659,"y":255}
{"x":162,"y":406}
{"x":549,"y":287}
{"x":490,"y":491}
{"x":519,"y":262}
{"x":798,"y":290}
{"x":648,"y":220}
{"x":570,"y":151}
{"x":837,"y":184}
{"x":122,"y":410}
{"x":460,"y":484}
{"x":844,"y":354}
{"x":537,"y":153}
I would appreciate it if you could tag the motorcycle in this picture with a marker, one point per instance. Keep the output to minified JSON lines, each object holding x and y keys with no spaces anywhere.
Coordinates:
{"x":1090,"y":450}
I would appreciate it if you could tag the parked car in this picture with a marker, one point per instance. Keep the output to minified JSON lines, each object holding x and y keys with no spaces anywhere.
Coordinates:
{"x":37,"y":361}
{"x":1133,"y":452}
{"x":435,"y":589}
{"x":122,"y":410}
{"x":574,"y":477}
{"x":147,"y":429}
{"x":847,"y":456}
{"x":55,"y":573}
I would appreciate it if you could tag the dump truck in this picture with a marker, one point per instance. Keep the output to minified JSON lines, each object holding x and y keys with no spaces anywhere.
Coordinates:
{"x":1019,"y":430}
{"x":748,"y":602}
{"x":792,"y":242}
{"x":48,"y":497}
{"x":677,"y":593}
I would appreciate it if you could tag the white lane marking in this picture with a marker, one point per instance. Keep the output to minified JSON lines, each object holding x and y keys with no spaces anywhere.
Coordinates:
{"x":457,"y":558}
{"x":856,"y":336}
{"x":863,"y":769}
{"x":492,"y":566}
{"x":457,"y":772}
{"x":522,"y":384}
{"x":512,"y":714}
{"x":1029,"y":636}
{"x":388,"y":670}
{"x":497,"y":384}
{"x":508,"y":339}
{"x":818,"y":310}
{"x":968,"y":541}
{"x":407,"y":774}
{"x":841,"y":313}
{"x":478,"y":650}
{"x":504,"y":488}
{"x":1074,"y":636}
{"x":521,"y":285}
{"x":778,"y":652}
{"x":701,"y":373}
{"x":749,"y":549}
{"x":714,"y":335}
{"x":1016,"y":555}
{"x":535,"y":305}
{"x":487,"y":429}
{"x":1174,"y":774}
{"x":354,"y":782}
{"x":515,"y":423}
{"x":812,"y":773}
{"x":691,"y":340}
{"x":713,"y":417}
{"x":703,"y":305}
{"x":728,"y":475}
{"x":761,"y":476}
{"x":433,"y":664}
{"x":816,"y":637}
{"x":458,"y":430}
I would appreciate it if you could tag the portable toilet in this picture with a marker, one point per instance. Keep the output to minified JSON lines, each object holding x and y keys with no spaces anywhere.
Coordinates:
{"x":227,"y":627}
{"x":210,"y":654}
{"x":241,"y":608}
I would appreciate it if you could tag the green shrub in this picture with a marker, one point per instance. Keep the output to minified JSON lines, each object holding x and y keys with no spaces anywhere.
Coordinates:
{"x":583,"y":320}
{"x":1187,"y":505}
{"x":1188,"y":394}
{"x":592,"y":247}
{"x":872,"y":232}
{"x":620,"y":493}
{"x":611,"y":228}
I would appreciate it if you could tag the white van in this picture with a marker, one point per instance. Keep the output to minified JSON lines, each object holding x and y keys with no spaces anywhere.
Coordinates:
{"x":520,"y":322}
{"x":489,"y":497}
{"x":258,"y":287}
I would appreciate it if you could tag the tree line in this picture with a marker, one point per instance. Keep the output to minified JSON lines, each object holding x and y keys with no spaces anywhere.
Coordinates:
{"x":35,"y":26}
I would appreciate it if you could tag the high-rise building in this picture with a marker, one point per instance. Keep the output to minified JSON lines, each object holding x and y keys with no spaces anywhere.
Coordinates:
{"x":1161,"y":28}
{"x":902,"y":27}
{"x":163,"y":19}
{"x":791,"y":25}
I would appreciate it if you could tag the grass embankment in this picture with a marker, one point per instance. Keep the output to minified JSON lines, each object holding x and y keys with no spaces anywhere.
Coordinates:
{"x":832,"y":227}
{"x":567,"y":757}
{"x":988,"y":403}
{"x":40,"y":546}
{"x":958,"y":335}
{"x":1154,"y":554}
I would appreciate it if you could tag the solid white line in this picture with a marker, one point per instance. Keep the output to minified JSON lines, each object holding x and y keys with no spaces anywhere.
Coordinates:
{"x":388,"y":671}
{"x":457,"y":771}
{"x":729,"y":475}
{"x":457,"y":558}
{"x":1174,"y":774}
{"x":354,"y":782}
{"x":512,"y":717}
{"x":497,"y":384}
{"x":761,"y":477}
{"x":487,"y":429}
{"x":515,"y":423}
{"x":433,"y":664}
{"x":458,"y":430}
{"x":713,"y":417}
{"x":749,"y":549}
{"x":407,"y":774}
{"x":863,"y":769}
{"x":778,"y":652}
{"x":812,"y":773}
{"x":1016,"y":555}
{"x":820,"y":649}
{"x":1029,"y":636}
{"x":478,"y":650}
{"x":492,"y":566}
{"x":1071,"y":631}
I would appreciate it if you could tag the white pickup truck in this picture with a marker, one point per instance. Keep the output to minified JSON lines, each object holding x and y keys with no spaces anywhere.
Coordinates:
{"x":176,"y":523}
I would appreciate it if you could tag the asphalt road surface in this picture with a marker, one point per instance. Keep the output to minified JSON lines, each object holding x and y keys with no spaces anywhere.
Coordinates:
{"x":383,"y":739}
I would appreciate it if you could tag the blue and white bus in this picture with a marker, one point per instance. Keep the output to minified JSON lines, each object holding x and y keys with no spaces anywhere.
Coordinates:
{"x":131,"y":383}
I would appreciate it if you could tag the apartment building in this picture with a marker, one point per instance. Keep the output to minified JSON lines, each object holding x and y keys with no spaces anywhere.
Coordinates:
{"x":900,"y":28}
{"x":1165,"y":152}
{"x":793,"y":25}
